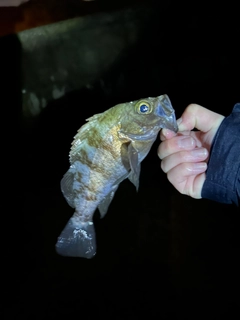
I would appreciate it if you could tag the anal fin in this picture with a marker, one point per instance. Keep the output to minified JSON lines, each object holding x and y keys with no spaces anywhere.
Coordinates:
{"x":103,"y":206}
{"x":67,"y":187}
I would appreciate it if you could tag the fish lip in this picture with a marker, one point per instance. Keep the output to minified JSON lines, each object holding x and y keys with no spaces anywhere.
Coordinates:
{"x":167,"y":121}
{"x":172,"y":126}
{"x":171,"y":123}
{"x":166,"y":112}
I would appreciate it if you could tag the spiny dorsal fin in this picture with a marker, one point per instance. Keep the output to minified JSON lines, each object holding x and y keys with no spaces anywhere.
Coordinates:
{"x":82,"y":134}
{"x":95,"y":117}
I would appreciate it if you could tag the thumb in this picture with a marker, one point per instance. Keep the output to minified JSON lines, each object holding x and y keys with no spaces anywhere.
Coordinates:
{"x":196,"y":116}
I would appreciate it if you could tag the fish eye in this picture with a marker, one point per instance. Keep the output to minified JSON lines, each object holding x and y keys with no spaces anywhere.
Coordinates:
{"x":143,"y":108}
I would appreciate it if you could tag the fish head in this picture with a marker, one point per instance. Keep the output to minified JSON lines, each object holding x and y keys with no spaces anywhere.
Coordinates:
{"x":147,"y":116}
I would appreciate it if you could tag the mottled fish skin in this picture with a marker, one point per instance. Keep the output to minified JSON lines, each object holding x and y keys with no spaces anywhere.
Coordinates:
{"x":106,"y":150}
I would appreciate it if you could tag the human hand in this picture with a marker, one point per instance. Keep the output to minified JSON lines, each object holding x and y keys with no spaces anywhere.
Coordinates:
{"x":11,"y":3}
{"x":185,"y":154}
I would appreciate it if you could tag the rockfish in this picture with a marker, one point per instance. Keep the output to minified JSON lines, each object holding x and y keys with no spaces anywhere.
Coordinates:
{"x":106,"y":150}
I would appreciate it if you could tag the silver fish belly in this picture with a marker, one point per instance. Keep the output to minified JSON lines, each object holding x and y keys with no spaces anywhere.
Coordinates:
{"x":106,"y":150}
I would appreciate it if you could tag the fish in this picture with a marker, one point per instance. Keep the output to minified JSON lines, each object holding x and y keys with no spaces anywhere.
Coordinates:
{"x":106,"y":150}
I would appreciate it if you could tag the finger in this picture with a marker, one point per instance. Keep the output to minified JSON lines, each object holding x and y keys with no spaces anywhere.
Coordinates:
{"x":188,"y":178}
{"x":176,"y":144}
{"x":173,"y":160}
{"x":166,"y":134}
{"x":196,"y":116}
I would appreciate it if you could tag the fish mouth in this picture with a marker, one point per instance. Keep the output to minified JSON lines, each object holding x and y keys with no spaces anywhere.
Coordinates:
{"x":166,"y":113}
{"x":172,"y":125}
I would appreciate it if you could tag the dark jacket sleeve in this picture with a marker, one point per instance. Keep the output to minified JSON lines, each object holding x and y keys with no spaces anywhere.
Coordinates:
{"x":222,"y":182}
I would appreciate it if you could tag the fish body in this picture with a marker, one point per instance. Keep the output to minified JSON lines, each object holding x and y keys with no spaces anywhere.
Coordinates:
{"x":106,"y":150}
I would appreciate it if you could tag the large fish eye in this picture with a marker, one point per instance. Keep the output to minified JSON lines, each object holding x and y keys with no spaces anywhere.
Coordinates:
{"x":143,"y":107}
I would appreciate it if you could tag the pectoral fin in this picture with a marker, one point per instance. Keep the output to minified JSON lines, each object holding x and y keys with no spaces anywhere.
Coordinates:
{"x":103,"y":206}
{"x":130,"y":158}
{"x":134,"y":165}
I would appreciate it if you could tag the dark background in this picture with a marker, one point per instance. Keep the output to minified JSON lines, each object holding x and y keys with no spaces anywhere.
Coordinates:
{"x":160,"y":254}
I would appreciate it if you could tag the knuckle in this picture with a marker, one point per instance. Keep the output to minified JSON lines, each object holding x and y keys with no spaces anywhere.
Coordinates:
{"x":192,"y":107}
{"x":183,"y":156}
{"x":159,"y":151}
{"x":163,"y":150}
{"x":170,"y":177}
{"x":163,"y":166}
{"x":162,"y":135}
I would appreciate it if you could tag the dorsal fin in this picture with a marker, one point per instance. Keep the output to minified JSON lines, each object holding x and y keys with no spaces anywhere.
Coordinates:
{"x":82,"y":134}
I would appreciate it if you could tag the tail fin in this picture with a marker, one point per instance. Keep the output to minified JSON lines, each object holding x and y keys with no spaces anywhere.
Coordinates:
{"x":77,"y":240}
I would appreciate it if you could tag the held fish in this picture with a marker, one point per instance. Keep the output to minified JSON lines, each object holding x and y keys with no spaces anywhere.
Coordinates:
{"x":106,"y":150}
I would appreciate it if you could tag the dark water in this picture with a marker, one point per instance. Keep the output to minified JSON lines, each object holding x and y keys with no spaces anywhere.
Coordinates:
{"x":160,"y":254}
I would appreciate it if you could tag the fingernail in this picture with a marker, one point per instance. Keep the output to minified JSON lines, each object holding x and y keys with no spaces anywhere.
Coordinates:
{"x":199,"y":153}
{"x":179,"y":121}
{"x":199,"y":166}
{"x":186,"y":142}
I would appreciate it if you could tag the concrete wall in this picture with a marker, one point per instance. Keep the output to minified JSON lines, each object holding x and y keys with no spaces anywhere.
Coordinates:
{"x":72,"y":54}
